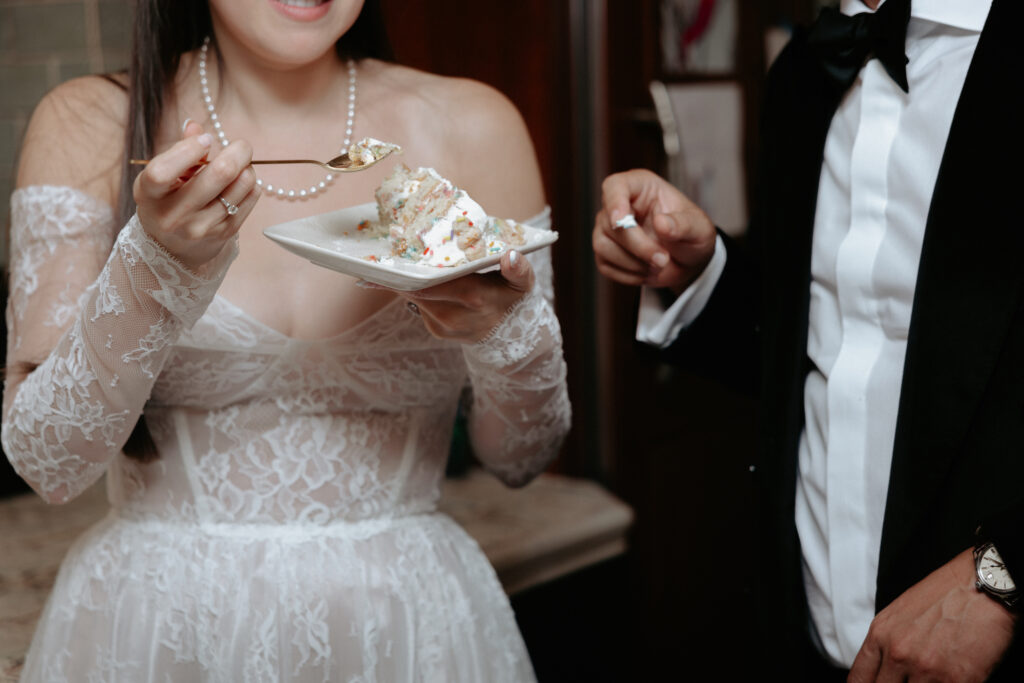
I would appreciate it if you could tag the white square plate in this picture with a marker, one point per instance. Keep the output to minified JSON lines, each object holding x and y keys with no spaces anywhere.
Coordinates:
{"x":333,"y":240}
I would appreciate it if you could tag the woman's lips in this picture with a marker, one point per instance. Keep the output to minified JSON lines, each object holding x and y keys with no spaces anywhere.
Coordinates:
{"x":302,"y":10}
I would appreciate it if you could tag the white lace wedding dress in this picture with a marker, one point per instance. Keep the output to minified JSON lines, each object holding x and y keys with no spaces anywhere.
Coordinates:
{"x":288,"y":530}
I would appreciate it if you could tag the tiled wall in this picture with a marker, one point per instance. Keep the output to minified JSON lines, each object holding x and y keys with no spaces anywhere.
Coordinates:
{"x":42,"y":44}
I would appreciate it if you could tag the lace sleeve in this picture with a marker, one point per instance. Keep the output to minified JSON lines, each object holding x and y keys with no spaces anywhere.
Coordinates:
{"x":99,"y":320}
{"x":520,"y":411}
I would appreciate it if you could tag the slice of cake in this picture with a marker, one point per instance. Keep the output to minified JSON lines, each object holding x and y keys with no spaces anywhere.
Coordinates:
{"x":430,"y":221}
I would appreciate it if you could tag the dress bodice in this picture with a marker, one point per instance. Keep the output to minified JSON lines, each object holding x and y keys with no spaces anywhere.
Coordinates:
{"x":269,"y":428}
{"x":251,"y":425}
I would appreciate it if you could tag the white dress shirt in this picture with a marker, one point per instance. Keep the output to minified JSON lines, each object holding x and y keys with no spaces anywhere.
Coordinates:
{"x":882,"y":157}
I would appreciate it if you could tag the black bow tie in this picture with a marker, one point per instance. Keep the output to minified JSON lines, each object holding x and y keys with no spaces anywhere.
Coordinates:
{"x":843,"y":43}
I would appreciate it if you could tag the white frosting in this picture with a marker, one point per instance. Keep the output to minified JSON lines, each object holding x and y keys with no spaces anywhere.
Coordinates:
{"x":407,"y":190}
{"x":441,"y":245}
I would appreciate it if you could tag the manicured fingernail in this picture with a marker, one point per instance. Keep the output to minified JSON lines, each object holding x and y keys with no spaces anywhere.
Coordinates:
{"x":673,"y":229}
{"x":185,"y":125}
{"x":205,"y":139}
{"x":513,"y":258}
{"x":660,"y":259}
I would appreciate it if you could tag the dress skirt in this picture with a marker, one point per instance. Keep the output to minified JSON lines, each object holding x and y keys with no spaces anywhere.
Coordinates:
{"x":385,"y":601}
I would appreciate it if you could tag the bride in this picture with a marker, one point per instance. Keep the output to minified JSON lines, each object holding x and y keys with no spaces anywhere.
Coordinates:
{"x":273,"y":435}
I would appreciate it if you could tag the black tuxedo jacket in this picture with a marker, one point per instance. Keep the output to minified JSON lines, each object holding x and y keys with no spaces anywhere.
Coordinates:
{"x":958,"y":460}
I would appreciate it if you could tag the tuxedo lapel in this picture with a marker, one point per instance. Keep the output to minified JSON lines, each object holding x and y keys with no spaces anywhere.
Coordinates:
{"x":798,"y":109}
{"x":968,"y":286}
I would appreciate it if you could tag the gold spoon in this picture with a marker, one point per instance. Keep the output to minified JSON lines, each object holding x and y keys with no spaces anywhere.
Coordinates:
{"x":339,"y":164}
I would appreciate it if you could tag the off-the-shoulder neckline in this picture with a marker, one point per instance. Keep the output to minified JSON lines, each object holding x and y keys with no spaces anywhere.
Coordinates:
{"x":541,"y":217}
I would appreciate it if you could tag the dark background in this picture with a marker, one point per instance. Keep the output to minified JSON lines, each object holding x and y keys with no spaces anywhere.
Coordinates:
{"x":675,"y":447}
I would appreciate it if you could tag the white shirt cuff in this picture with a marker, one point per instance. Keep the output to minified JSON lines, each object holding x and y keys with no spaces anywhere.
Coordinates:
{"x":659,"y":327}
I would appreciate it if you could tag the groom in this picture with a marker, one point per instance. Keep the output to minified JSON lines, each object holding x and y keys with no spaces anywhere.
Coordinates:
{"x":880,"y":310}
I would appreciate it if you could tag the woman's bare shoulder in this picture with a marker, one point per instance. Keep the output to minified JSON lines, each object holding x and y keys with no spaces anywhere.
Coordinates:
{"x":76,"y":137}
{"x":456,"y":102}
{"x":481,"y":135}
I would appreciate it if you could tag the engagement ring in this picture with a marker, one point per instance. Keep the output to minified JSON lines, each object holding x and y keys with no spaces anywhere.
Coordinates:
{"x":228,"y":206}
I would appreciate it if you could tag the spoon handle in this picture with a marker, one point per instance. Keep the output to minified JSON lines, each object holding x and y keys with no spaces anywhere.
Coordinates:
{"x":143,"y":162}
{"x":286,"y":161}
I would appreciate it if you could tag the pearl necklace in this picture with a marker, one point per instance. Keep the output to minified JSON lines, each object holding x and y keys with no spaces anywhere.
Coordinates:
{"x":280,"y":192}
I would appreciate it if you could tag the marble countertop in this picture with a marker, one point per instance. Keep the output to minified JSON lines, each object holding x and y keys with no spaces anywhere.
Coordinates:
{"x":543,"y":531}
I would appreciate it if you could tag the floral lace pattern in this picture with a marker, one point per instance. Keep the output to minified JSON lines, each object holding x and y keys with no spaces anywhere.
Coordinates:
{"x":288,"y":529}
{"x":73,"y":413}
{"x":522,"y":386}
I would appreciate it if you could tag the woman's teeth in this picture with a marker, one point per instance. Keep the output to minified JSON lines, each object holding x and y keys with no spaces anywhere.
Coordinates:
{"x":302,"y":3}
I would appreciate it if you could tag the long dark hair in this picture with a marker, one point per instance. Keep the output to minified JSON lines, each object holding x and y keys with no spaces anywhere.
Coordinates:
{"x":164,"y":30}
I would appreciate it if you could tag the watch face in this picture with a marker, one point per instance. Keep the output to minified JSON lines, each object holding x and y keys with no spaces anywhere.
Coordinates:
{"x":993,"y":572}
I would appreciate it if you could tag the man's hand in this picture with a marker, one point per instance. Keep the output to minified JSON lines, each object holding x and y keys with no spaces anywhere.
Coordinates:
{"x":673,"y":244}
{"x":941,"y":629}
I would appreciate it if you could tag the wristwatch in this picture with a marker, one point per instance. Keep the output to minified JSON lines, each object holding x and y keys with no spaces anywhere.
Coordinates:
{"x":993,"y":576}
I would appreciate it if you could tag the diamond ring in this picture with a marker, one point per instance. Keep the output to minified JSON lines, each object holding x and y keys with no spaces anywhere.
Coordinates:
{"x":626,"y":222}
{"x":228,"y":206}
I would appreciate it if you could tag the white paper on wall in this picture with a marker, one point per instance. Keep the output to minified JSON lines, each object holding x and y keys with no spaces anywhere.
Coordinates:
{"x":702,"y":125}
